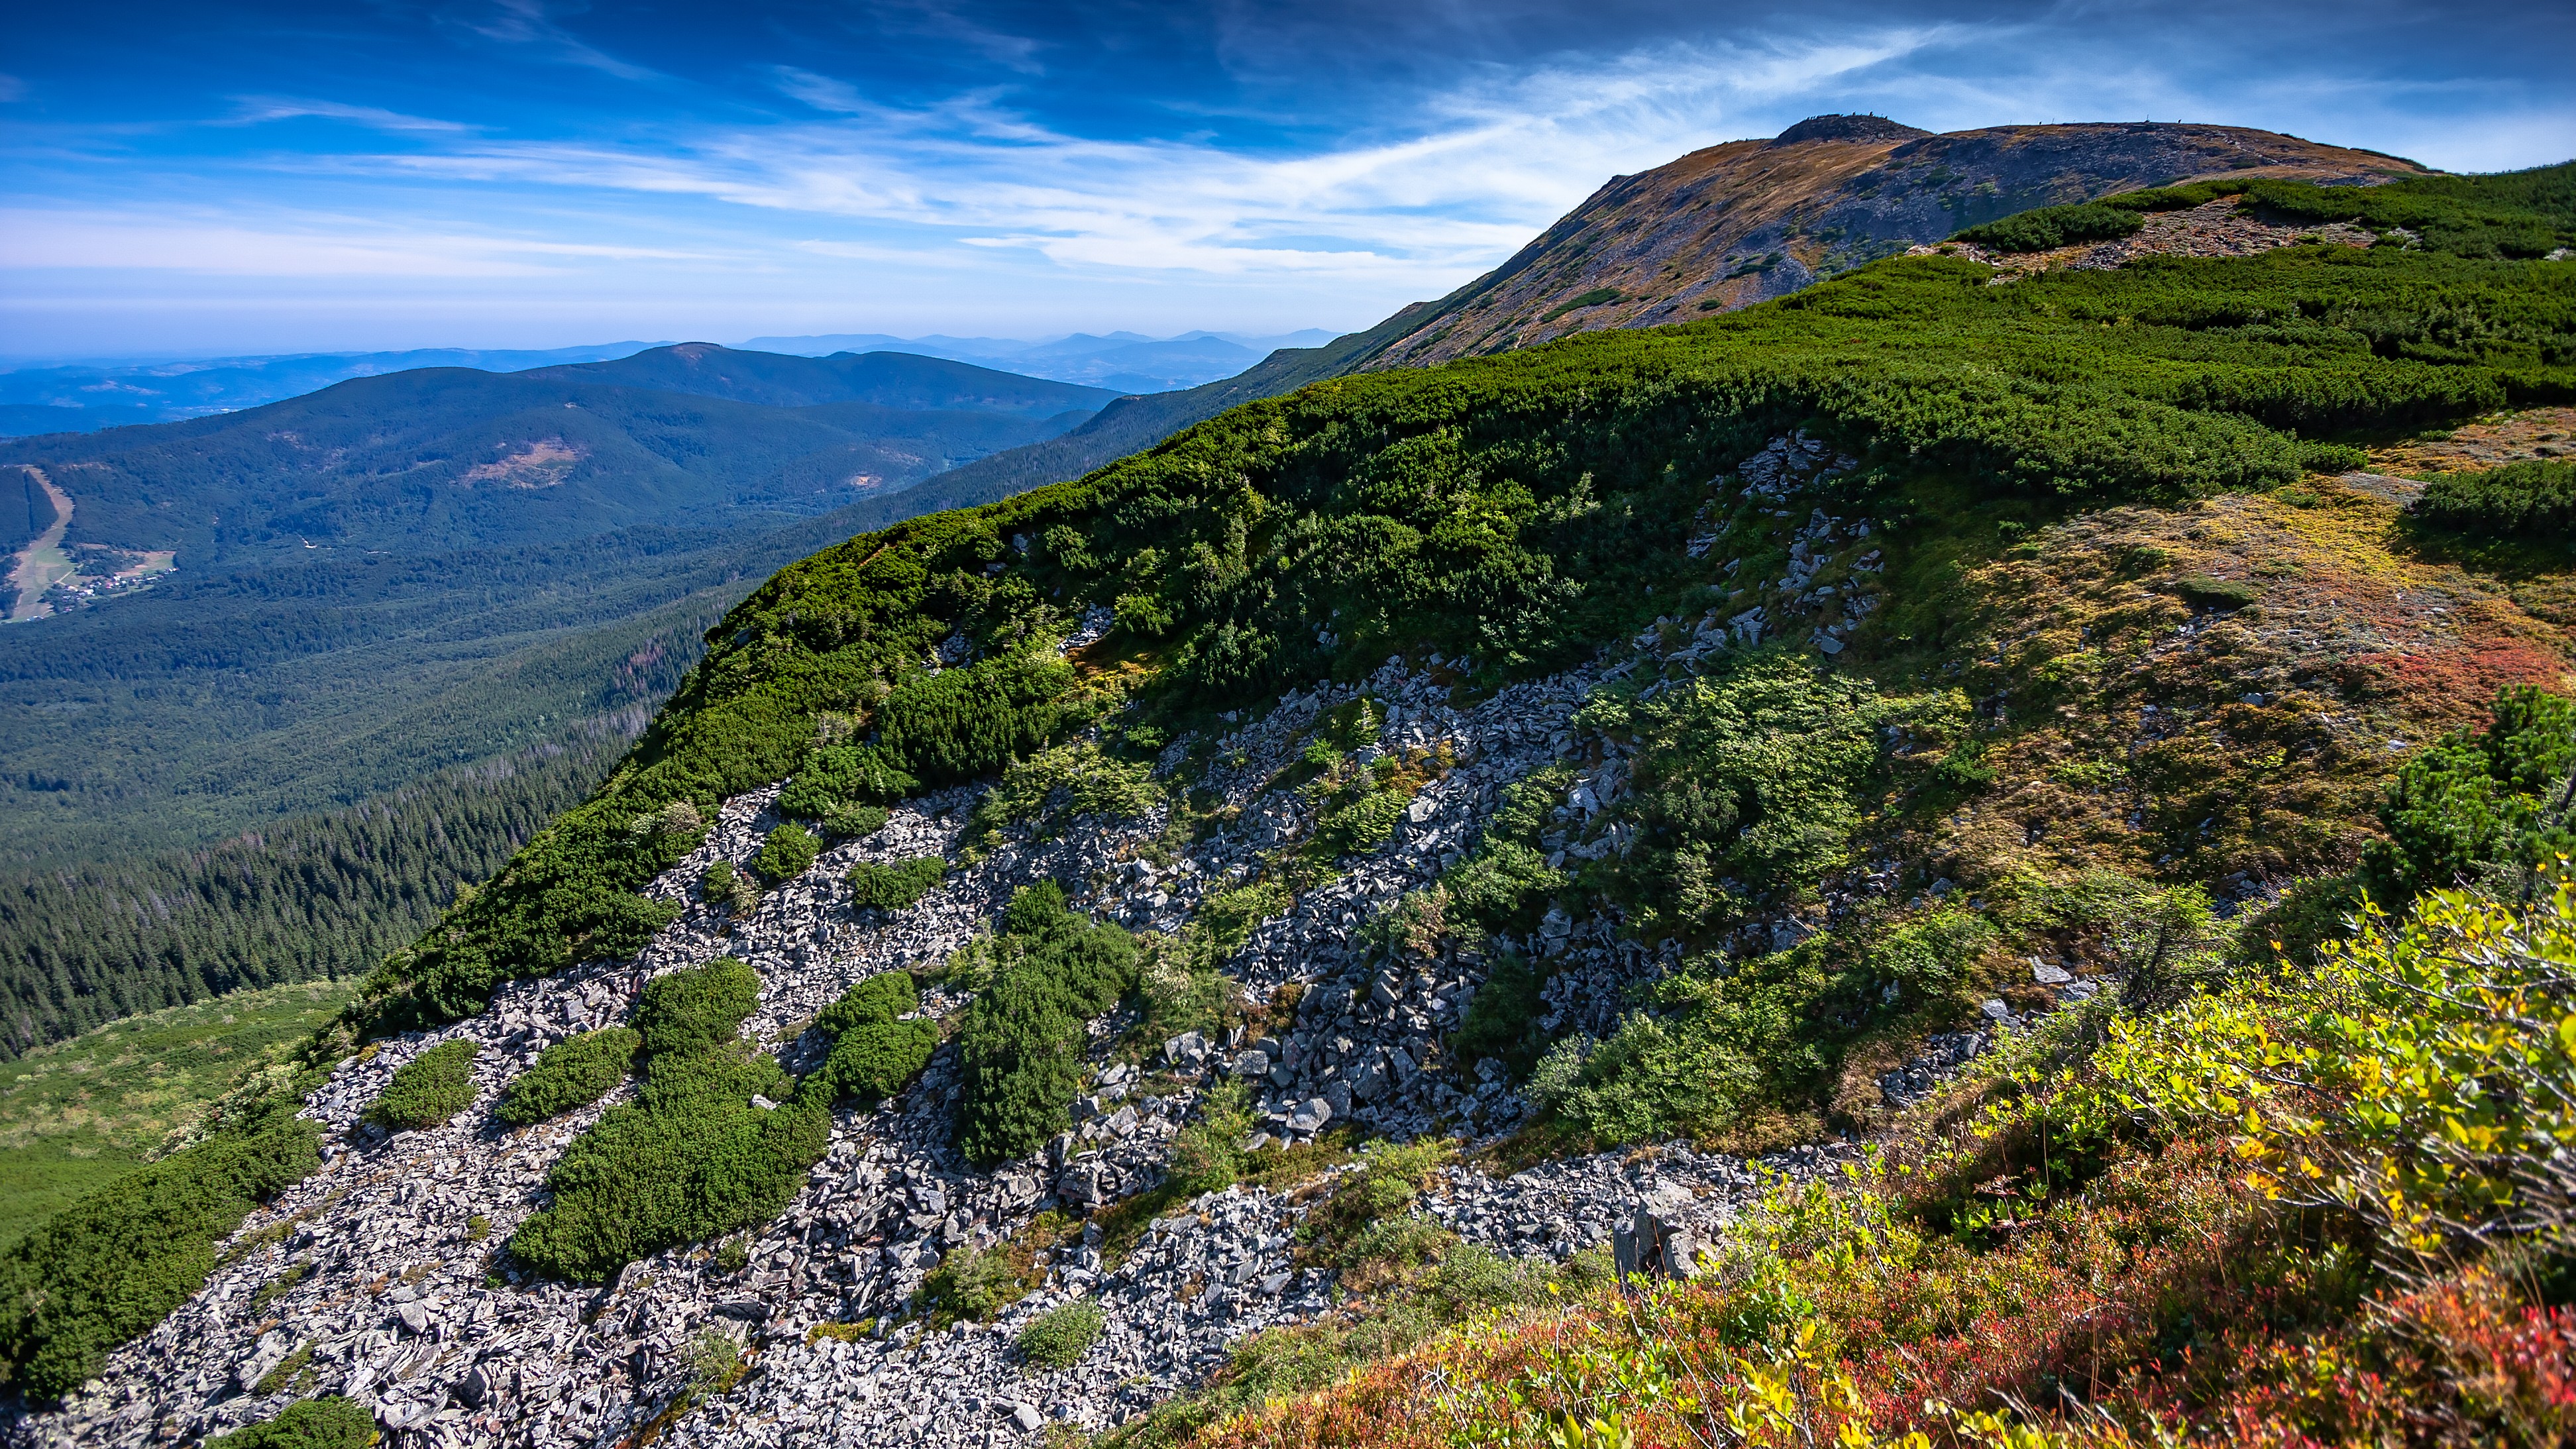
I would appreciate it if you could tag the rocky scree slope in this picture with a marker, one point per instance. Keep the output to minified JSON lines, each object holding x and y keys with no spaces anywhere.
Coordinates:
{"x":1657,"y":688}
{"x":369,"y":1280}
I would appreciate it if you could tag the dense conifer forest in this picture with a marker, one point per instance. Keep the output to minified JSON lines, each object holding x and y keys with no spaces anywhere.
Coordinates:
{"x":317,"y":896}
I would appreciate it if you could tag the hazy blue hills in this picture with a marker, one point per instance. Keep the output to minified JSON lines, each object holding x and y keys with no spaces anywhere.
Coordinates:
{"x":450,"y":457}
{"x":400,"y":573}
{"x":87,"y":395}
{"x":1126,"y":362}
{"x":886,"y":379}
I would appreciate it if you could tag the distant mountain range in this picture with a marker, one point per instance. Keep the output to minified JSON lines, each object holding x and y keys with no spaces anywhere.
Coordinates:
{"x":427,"y":568}
{"x":81,"y":396}
{"x":86,"y":396}
{"x":1124,"y":361}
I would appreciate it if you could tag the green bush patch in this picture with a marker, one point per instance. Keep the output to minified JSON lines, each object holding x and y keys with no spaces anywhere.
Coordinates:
{"x":1059,"y":1337}
{"x":429,"y":1089}
{"x":113,"y":1264}
{"x":2533,"y":503}
{"x":2050,"y":227}
{"x":697,"y":1009}
{"x":874,"y":1054}
{"x":1022,"y":1043}
{"x":574,"y":1072}
{"x":330,"y":1422}
{"x":785,"y":854}
{"x":895,"y":884}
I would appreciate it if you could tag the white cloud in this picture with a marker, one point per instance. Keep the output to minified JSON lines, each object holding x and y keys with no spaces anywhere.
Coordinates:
{"x":300,"y":246}
{"x":1463,"y":180}
{"x":257,"y":109}
{"x":525,"y":22}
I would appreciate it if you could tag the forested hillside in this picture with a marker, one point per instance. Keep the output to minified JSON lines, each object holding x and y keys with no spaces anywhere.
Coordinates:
{"x":316,"y":896}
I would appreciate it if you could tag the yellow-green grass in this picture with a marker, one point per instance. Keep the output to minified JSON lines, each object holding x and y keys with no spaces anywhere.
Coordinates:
{"x":76,"y":1115}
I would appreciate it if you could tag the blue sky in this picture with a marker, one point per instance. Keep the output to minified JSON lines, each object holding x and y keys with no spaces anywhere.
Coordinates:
{"x":215,"y":177}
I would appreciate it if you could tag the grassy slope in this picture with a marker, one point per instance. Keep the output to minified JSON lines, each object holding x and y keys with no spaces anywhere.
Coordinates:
{"x":79,"y":1114}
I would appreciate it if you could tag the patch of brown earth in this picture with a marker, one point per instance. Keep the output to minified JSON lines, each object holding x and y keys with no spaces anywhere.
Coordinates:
{"x":2490,"y":442}
{"x":539,"y":464}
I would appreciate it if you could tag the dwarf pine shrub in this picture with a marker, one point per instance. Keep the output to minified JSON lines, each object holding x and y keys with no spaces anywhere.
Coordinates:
{"x":2532,"y":503}
{"x":873,"y":1053}
{"x":329,"y":1422}
{"x":785,"y":854}
{"x":113,"y":1264}
{"x":574,"y":1072}
{"x":699,"y":1008}
{"x":1059,"y":1337}
{"x":895,"y":884}
{"x":1021,"y":1046}
{"x":429,"y":1089}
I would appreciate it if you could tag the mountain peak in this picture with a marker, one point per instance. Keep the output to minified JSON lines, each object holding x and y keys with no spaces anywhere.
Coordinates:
{"x":1853,"y":127}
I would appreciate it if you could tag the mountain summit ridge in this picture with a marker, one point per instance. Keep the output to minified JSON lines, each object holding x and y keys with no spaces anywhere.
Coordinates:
{"x":1730,"y":225}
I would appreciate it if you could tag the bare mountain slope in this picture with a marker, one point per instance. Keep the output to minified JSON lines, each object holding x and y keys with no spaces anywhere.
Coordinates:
{"x":1747,"y":221}
{"x":1721,"y":228}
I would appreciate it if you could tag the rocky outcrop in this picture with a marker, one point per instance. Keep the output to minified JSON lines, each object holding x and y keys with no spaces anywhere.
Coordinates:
{"x":1747,"y":221}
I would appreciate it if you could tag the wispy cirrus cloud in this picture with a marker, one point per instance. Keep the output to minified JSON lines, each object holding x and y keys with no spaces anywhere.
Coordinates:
{"x":530,"y":24}
{"x":295,"y":245}
{"x":1464,"y":178}
{"x":258,"y":110}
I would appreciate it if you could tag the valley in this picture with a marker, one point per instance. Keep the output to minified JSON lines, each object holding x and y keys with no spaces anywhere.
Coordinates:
{"x":1954,"y":836}
{"x":41,"y":563}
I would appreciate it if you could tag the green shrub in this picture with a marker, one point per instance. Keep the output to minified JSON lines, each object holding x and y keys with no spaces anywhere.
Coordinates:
{"x":1059,"y":1337}
{"x":1931,"y":956}
{"x":875,"y":1061}
{"x":690,"y":1159}
{"x":113,"y":1264}
{"x":1504,"y":886}
{"x":854,"y":822}
{"x":2480,"y":809}
{"x":2331,"y":457}
{"x":1593,"y":298}
{"x":715,"y":1362}
{"x":429,"y":1089}
{"x":329,"y":1422}
{"x":1746,"y":787}
{"x":970,"y":1284}
{"x":699,"y":1008}
{"x":875,"y":1001}
{"x":786,"y":854}
{"x":2531,"y":502}
{"x":723,"y":885}
{"x":1057,"y":786}
{"x":1722,"y":1042}
{"x":873,"y":1054}
{"x":895,"y":885}
{"x":1208,"y":1153}
{"x":960,"y":723}
{"x":1502,"y":1022}
{"x":836,"y":778}
{"x":574,"y":1072}
{"x":1021,"y":1048}
{"x":1390,"y":1178}
{"x":2054,"y":226}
